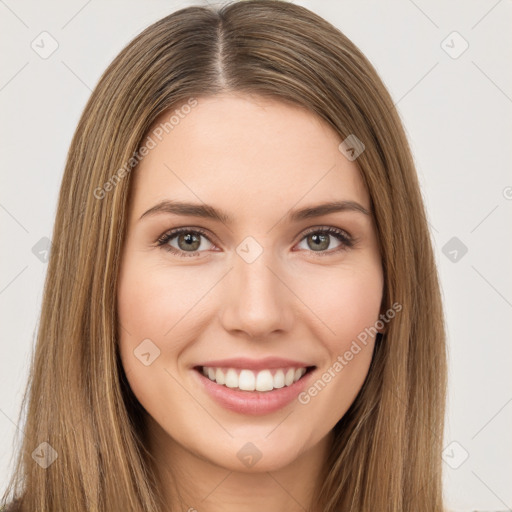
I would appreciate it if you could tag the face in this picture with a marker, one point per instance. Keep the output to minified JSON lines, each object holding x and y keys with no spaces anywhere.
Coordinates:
{"x":238,"y":311}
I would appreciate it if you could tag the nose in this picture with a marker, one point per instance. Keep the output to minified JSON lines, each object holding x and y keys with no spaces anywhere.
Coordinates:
{"x":258,"y":301}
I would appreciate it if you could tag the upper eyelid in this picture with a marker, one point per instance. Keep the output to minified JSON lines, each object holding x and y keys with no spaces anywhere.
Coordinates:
{"x":171,"y":233}
{"x":326,"y":228}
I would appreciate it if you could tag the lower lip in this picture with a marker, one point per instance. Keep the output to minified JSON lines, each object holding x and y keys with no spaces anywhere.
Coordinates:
{"x":253,"y":402}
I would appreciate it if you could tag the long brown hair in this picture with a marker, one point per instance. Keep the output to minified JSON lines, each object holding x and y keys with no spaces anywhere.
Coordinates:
{"x":386,"y":455}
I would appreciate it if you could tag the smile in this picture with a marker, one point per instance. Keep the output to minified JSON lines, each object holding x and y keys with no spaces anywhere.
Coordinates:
{"x":254,"y":387}
{"x":248,"y":380}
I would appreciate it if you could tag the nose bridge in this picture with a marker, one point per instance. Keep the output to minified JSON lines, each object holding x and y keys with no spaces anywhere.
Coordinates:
{"x":256,"y":278}
{"x":257,"y":301}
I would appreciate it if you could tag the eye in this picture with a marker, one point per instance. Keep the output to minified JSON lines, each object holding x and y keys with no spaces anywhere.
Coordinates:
{"x":318,"y":240}
{"x":188,"y":241}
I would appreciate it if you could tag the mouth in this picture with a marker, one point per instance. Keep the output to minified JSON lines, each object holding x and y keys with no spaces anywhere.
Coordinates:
{"x":253,"y":388}
{"x":264,"y":380}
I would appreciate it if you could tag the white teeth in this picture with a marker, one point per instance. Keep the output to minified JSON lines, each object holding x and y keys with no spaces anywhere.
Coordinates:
{"x":264,"y":381}
{"x":231,"y":380}
{"x":247,"y":380}
{"x":278,"y":379}
{"x":299,"y":372}
{"x":219,"y":376}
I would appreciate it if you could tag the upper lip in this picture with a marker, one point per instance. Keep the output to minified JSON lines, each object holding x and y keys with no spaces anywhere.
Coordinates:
{"x":255,"y":364}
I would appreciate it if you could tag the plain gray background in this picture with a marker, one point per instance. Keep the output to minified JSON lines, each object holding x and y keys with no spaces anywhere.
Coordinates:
{"x":456,"y":106}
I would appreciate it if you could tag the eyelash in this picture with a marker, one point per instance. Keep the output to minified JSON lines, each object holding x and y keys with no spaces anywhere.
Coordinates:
{"x":346,"y":240}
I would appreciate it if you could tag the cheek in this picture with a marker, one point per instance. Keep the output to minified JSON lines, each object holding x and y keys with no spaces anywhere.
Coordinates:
{"x":150,"y":331}
{"x":346,"y":301}
{"x":349,"y":305}
{"x":144,"y":295}
{"x":143,"y":321}
{"x":159,"y":312}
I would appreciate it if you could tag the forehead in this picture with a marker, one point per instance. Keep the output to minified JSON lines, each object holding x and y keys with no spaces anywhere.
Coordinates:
{"x":247,"y":153}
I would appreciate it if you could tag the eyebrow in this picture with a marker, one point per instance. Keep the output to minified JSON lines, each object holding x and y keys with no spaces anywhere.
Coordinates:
{"x":209,"y":212}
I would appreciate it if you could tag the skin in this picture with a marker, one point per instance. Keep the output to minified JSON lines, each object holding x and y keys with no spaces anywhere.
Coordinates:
{"x":256,"y":159}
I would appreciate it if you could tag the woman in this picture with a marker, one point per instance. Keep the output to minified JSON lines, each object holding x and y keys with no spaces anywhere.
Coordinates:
{"x":242,"y":308}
